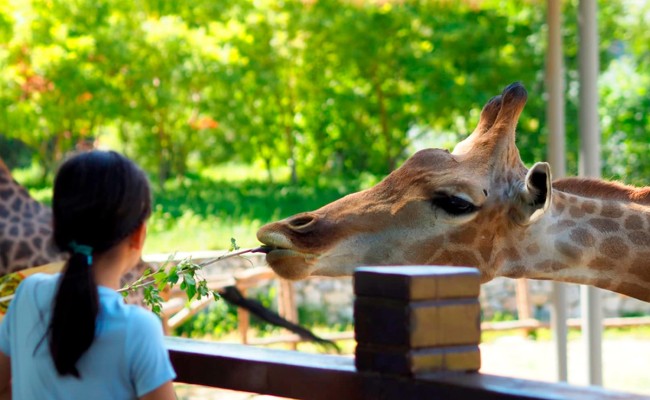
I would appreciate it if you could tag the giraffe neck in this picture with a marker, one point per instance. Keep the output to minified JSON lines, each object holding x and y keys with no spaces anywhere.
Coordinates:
{"x":589,"y":237}
{"x":25,"y":227}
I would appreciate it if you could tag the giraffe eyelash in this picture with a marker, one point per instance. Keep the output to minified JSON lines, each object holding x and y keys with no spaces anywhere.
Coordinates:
{"x":454,"y":205}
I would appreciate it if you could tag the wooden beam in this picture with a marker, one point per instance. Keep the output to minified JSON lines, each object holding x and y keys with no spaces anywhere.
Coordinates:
{"x":311,"y":376}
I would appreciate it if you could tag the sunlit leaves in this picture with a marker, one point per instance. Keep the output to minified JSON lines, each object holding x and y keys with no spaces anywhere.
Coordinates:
{"x":329,"y":87}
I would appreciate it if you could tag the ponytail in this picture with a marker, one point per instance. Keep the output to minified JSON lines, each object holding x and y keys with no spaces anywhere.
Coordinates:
{"x":72,"y":327}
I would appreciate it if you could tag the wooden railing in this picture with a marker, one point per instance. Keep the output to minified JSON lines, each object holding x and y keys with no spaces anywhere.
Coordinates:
{"x":417,"y":332}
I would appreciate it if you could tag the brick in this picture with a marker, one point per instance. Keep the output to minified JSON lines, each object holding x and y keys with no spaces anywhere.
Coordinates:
{"x":417,"y":282}
{"x":415,"y":362}
{"x":417,"y":324}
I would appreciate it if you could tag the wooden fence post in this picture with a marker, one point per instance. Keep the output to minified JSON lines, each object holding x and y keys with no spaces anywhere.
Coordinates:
{"x":417,"y":320}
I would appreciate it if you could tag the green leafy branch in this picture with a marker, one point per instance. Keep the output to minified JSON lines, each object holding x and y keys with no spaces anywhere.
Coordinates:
{"x":186,"y":272}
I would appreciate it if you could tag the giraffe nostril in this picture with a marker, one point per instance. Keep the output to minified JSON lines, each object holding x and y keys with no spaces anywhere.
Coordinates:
{"x":301,"y":221}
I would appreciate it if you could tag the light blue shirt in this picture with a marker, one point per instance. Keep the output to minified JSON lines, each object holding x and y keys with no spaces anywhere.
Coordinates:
{"x":126,"y":360}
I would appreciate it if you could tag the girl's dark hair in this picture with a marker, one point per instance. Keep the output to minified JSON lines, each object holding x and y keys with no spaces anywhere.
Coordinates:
{"x":100,"y":197}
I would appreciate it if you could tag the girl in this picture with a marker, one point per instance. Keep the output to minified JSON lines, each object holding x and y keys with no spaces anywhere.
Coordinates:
{"x":70,"y":335}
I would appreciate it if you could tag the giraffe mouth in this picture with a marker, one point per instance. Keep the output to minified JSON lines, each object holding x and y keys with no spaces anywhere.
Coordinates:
{"x":288,"y":263}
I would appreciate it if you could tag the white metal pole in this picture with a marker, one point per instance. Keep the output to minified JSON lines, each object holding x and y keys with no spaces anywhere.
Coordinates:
{"x":557,"y":158}
{"x":590,"y":165}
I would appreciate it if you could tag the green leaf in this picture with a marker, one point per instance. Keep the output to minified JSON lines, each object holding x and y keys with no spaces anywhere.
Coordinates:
{"x":189,"y":279}
{"x":191,"y":292}
{"x":172,"y":277}
{"x":160,"y":276}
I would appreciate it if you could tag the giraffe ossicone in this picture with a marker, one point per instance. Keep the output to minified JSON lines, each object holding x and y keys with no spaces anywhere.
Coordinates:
{"x":477,"y":206}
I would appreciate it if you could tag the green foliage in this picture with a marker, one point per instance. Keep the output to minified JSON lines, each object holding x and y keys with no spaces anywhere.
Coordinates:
{"x":220,"y":318}
{"x":217,"y":320}
{"x":199,"y":213}
{"x":631,"y":314}
{"x":500,"y":316}
{"x":166,"y":277}
{"x":318,"y":317}
{"x":325,"y":88}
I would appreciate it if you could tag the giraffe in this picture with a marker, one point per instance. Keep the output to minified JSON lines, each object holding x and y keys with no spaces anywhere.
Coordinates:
{"x":25,"y":228}
{"x":477,"y":206}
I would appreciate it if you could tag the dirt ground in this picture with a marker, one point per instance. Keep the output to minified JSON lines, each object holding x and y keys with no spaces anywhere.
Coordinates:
{"x":626,"y":363}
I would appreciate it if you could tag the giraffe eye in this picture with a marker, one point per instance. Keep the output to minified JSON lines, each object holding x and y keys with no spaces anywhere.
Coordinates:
{"x":454,"y":205}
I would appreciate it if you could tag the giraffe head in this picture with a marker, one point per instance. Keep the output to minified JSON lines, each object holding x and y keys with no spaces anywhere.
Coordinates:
{"x":438,"y":208}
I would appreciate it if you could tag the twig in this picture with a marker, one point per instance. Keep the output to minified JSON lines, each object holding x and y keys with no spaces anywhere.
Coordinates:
{"x":129,"y":288}
{"x":261,"y":249}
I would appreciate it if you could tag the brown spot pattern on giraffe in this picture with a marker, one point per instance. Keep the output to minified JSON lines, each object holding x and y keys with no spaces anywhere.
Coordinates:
{"x":600,"y":263}
{"x":571,"y":252}
{"x":464,"y":235}
{"x":13,"y":231}
{"x":582,"y":237}
{"x":485,"y":249}
{"x":589,"y":206}
{"x":532,"y":249}
{"x":517,"y":271}
{"x":641,"y":265}
{"x":23,"y":251}
{"x":639,"y":238}
{"x":633,"y":222}
{"x":5,"y":194}
{"x":614,"y":247}
{"x":576,"y":212}
{"x":17,"y":204}
{"x":513,"y":254}
{"x":550,"y":266}
{"x":460,"y":258}
{"x":28,"y":229}
{"x":561,"y":226}
{"x":604,"y":225}
{"x":426,"y":248}
{"x":558,"y":208}
{"x":611,"y":211}
{"x":602,"y":283}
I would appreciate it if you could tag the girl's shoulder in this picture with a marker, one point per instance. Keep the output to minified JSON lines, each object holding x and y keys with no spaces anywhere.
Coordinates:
{"x":141,"y":319}
{"x":51,"y":279}
{"x":41,"y":282}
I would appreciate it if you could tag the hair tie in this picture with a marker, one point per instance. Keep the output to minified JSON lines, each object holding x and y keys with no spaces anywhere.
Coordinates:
{"x":83,"y":250}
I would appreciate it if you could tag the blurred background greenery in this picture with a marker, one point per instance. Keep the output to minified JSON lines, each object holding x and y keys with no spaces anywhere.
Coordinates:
{"x":245,"y":111}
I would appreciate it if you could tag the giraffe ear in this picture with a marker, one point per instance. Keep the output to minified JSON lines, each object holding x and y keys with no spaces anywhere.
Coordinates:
{"x":534,"y":197}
